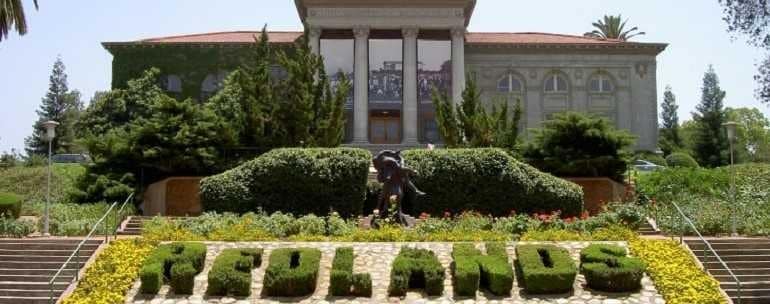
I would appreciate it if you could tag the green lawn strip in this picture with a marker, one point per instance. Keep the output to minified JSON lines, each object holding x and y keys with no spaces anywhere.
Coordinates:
{"x":231,"y":272}
{"x":545,"y":269}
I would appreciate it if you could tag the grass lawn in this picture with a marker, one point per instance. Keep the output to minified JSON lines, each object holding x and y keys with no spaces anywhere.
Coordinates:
{"x":30,"y":182}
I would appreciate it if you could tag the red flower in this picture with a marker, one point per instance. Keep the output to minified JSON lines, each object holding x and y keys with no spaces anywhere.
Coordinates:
{"x":584,"y":215}
{"x":424,"y":216}
{"x":447,"y":214}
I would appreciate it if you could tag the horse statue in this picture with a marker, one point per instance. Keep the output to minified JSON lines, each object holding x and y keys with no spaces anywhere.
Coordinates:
{"x":395,"y":177}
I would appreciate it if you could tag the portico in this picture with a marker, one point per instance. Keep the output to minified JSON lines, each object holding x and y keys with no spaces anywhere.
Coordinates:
{"x":396,"y":50}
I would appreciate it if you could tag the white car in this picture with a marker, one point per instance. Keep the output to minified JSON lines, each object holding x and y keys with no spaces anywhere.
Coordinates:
{"x":643,"y":165}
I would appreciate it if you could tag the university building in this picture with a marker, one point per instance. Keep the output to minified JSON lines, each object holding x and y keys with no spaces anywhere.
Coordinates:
{"x":396,"y":51}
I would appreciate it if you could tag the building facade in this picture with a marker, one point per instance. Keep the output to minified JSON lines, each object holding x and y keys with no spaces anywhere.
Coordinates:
{"x":397,"y":51}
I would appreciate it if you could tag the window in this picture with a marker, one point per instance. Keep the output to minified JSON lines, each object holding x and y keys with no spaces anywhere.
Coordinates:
{"x":555,"y":83}
{"x":385,"y":71}
{"x":171,"y":83}
{"x":509,"y":84}
{"x":211,"y":84}
{"x":600,"y":84}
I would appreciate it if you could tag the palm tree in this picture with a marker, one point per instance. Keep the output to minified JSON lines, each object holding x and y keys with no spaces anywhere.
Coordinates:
{"x":612,"y":27}
{"x":12,"y":15}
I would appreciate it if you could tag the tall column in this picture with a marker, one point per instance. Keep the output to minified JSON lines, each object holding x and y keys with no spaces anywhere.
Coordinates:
{"x":315,"y":40}
{"x":410,"y":86}
{"x":361,"y":86}
{"x":458,"y":64}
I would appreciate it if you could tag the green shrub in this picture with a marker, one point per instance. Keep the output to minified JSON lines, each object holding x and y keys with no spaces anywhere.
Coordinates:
{"x":293,"y":180}
{"x":10,"y":205}
{"x":182,"y":278}
{"x":342,"y":281}
{"x":157,"y":268}
{"x":607,"y":268}
{"x":545,"y":269}
{"x":489,"y":181}
{"x":231,"y":272}
{"x":292,"y":272}
{"x":681,"y":160}
{"x":473,"y":270}
{"x":416,"y":268}
{"x":15,"y":228}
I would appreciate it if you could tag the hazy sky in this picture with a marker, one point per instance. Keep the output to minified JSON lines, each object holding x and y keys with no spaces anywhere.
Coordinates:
{"x":74,"y":28}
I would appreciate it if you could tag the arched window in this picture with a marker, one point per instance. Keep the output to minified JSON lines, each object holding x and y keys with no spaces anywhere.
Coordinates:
{"x":212,"y":83}
{"x":600,"y":83}
{"x":555,"y":83}
{"x":509,"y":84}
{"x":171,"y":83}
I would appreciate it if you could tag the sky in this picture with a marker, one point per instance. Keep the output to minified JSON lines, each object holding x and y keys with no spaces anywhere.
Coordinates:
{"x":74,"y":29}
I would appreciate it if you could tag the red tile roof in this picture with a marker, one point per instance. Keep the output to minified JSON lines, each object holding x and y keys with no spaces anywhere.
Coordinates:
{"x":525,"y":39}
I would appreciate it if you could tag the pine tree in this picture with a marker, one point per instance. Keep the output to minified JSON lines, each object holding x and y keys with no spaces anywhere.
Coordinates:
{"x":710,"y":140}
{"x":670,"y":140}
{"x":60,"y":105}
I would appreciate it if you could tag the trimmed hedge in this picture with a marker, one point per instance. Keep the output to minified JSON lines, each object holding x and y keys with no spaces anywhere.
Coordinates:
{"x":293,"y":180}
{"x":292,"y":272}
{"x":231,"y":272}
{"x":545,"y":269}
{"x":472,"y":270}
{"x":10,"y":205}
{"x":416,"y":268}
{"x":607,"y":268}
{"x":681,"y":160}
{"x":341,"y":281}
{"x":167,"y":264}
{"x":489,"y":181}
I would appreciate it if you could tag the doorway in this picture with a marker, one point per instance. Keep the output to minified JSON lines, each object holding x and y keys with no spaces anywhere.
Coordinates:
{"x":385,"y":127}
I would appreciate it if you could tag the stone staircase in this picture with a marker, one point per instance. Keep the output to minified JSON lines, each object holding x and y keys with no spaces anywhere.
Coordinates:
{"x":132,"y":225}
{"x":748,"y":258}
{"x":27,"y":266}
{"x":647,"y":229}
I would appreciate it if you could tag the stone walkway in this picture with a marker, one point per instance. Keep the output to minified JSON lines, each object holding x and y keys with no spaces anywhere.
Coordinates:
{"x":376,"y":258}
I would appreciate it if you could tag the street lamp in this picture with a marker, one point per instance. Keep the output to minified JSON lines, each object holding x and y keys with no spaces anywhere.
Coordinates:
{"x":731,"y":127}
{"x":50,"y":133}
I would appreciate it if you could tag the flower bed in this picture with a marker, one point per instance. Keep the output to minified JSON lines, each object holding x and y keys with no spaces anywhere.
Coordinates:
{"x":112,"y":274}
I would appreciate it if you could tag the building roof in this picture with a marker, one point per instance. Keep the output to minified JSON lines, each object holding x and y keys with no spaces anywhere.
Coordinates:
{"x":498,"y":40}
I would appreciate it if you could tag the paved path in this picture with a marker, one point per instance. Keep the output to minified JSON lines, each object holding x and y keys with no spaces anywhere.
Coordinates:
{"x":376,"y":258}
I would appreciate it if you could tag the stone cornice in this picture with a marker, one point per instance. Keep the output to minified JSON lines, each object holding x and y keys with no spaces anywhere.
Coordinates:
{"x":620,"y":48}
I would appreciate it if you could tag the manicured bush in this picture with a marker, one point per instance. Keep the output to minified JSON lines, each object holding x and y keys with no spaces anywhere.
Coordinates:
{"x":342,"y":281}
{"x":292,"y":272}
{"x":681,"y":160}
{"x":489,"y":181}
{"x":545,"y":269}
{"x":231,"y":272}
{"x":112,"y":274}
{"x":416,"y":268}
{"x":158,"y":267}
{"x":10,"y":205}
{"x":472,"y":270}
{"x":294,"y":180}
{"x":607,"y":268}
{"x":182,"y":278}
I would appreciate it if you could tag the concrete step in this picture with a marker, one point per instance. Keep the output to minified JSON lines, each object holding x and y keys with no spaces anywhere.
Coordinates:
{"x":736,"y":258}
{"x":44,"y":252}
{"x":753,"y":300}
{"x":33,"y":285}
{"x":737,"y":251}
{"x":36,"y":272}
{"x":73,"y":241}
{"x":35,"y":278}
{"x":24,"y":300}
{"x":740,"y":245}
{"x":731,"y":240}
{"x":736,"y":264}
{"x":741,"y":271}
{"x":42,"y":258}
{"x":37,"y":265}
{"x":48,"y":246}
{"x":761,"y":293}
{"x":29,"y":293}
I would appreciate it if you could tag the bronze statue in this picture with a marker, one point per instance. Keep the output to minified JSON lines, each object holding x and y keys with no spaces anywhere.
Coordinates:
{"x":395,"y":177}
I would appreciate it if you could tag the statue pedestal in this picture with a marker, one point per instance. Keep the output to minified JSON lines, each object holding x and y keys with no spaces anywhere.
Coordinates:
{"x":366,"y":222}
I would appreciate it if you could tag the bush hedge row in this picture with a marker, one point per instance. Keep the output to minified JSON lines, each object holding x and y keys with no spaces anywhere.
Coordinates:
{"x":472,"y":270}
{"x":231,"y":272}
{"x":681,"y":160}
{"x":607,"y":268}
{"x":295,"y":180}
{"x":416,"y":268}
{"x":292,"y":272}
{"x":10,"y":205}
{"x":489,"y":181}
{"x":176,"y":263}
{"x":545,"y":269}
{"x":341,"y":281}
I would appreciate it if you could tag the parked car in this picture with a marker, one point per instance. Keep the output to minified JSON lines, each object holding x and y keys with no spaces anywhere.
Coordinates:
{"x":71,"y":158}
{"x":643,"y":165}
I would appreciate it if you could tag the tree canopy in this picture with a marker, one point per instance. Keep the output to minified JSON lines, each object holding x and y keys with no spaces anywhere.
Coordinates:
{"x":613,"y":27}
{"x":750,"y":18}
{"x":12,"y":16}
{"x":710,"y":143}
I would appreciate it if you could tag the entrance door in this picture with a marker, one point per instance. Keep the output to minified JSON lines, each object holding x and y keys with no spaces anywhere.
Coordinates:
{"x":385,"y":129}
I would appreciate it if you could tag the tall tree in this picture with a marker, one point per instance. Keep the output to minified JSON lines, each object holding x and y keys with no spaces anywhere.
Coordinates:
{"x":670,"y":140}
{"x":751,"y":18}
{"x":61,"y":105}
{"x":753,"y":132}
{"x":613,"y":27}
{"x":710,"y":140}
{"x":12,"y":16}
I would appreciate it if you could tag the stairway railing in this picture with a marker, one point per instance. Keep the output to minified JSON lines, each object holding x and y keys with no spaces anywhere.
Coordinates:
{"x":76,"y":253}
{"x":707,"y":244}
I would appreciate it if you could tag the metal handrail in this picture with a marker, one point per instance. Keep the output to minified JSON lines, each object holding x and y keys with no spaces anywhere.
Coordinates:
{"x":76,"y":253}
{"x":705,"y":252}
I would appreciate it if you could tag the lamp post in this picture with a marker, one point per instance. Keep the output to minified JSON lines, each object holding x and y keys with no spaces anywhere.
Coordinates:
{"x":731,"y":127}
{"x":50,"y":133}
